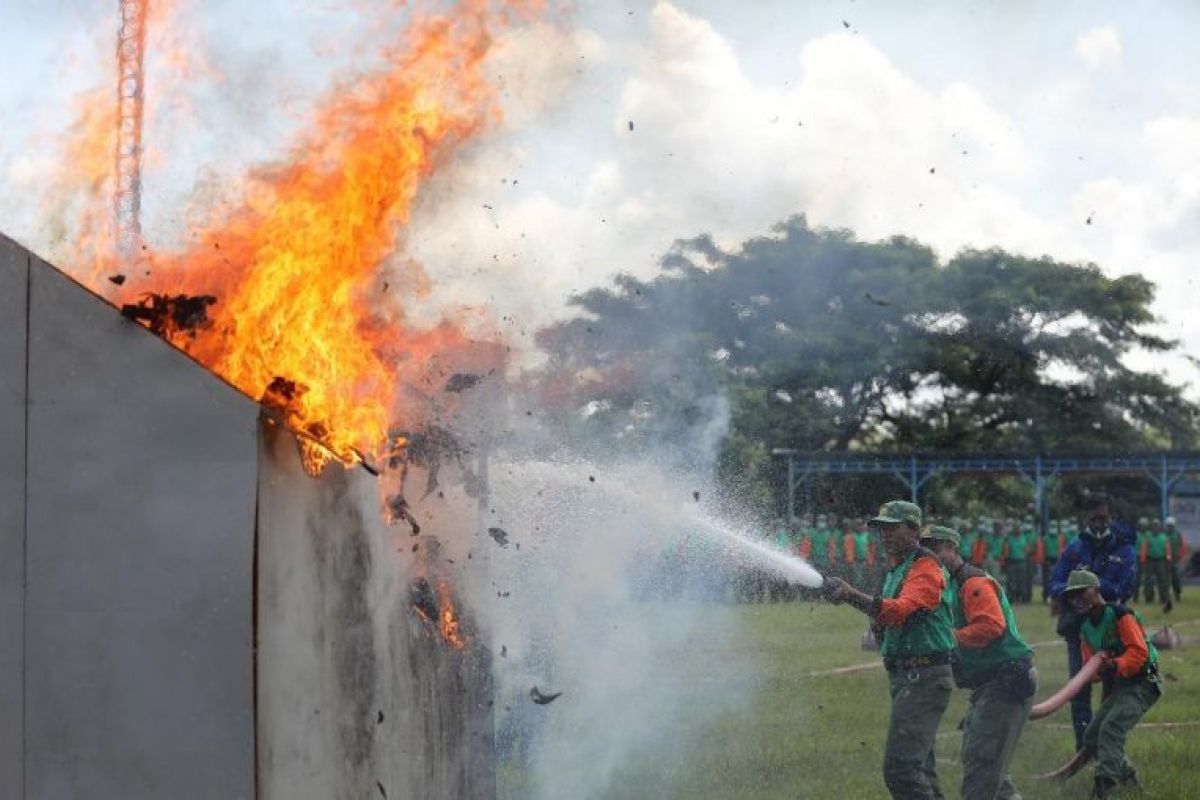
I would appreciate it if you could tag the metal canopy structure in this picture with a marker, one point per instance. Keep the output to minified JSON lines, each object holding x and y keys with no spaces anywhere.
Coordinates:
{"x":1164,"y":469}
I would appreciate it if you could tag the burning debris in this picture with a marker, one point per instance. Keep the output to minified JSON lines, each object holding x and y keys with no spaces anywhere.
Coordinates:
{"x":168,"y":315}
{"x":499,"y":535}
{"x":436,"y":609}
{"x":536,"y":696}
{"x":398,"y":510}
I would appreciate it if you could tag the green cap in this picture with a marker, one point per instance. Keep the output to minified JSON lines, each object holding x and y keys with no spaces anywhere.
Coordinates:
{"x":898,"y":511}
{"x":942,"y":533}
{"x":1081,"y":579}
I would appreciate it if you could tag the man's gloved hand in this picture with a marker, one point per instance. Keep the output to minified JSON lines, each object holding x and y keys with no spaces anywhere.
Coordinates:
{"x":835,"y":590}
{"x":1108,"y":666}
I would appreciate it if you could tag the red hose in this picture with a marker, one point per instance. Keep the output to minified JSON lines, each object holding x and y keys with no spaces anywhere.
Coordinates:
{"x":1060,"y":698}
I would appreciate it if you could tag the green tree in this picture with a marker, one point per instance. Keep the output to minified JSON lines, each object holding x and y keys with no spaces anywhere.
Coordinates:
{"x":823,"y":342}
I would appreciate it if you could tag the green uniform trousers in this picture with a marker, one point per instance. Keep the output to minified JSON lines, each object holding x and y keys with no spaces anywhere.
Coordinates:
{"x":1016,"y":580}
{"x":919,"y":698}
{"x":1156,"y":574}
{"x":991,"y":729}
{"x":1120,"y":711}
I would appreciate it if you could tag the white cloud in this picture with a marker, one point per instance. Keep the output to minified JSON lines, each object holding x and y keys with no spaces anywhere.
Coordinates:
{"x":1099,"y":47}
{"x":850,"y":142}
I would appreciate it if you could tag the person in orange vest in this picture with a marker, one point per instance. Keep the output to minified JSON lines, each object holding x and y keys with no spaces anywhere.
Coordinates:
{"x":1178,"y":556}
{"x":979,"y":547}
{"x":1129,"y":673}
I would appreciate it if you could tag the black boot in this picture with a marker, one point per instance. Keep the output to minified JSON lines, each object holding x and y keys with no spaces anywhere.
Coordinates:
{"x":1104,"y":788}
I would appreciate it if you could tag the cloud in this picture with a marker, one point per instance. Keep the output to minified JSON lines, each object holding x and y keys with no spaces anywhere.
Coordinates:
{"x":854,"y":142}
{"x":1099,"y":47}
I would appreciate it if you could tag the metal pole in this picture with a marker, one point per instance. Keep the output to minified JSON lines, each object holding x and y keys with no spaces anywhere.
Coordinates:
{"x":1165,"y":488}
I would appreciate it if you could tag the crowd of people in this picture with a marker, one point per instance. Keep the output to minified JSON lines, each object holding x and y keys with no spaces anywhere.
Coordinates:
{"x":1019,"y":554}
{"x":943,"y":621}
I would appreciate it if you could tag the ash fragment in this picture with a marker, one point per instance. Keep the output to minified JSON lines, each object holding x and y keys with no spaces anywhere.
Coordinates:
{"x":504,"y":651}
{"x":379,"y":720}
{"x":460,"y":382}
{"x":543,"y":699}
{"x":696,"y":496}
{"x":382,"y":791}
{"x":117,"y":279}
{"x":879,"y":301}
{"x":499,"y":535}
{"x":398,"y":511}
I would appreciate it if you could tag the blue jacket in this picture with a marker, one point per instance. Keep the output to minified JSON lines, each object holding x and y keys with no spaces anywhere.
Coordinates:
{"x":1113,"y":559}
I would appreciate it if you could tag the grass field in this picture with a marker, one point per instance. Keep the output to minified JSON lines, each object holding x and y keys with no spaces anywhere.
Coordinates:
{"x":801,"y":735}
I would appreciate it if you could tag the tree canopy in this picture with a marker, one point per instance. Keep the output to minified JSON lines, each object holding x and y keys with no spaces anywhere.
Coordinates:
{"x":823,"y":342}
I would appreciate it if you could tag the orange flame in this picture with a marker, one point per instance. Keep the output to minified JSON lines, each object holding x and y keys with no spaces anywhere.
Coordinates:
{"x":448,"y":622}
{"x":292,"y":262}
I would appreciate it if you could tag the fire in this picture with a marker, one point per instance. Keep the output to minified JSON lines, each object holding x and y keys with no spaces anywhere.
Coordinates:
{"x":301,"y":321}
{"x":448,"y":622}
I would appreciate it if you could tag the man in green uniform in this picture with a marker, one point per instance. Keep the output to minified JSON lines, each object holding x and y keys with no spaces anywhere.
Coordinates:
{"x":1129,"y":673}
{"x":994,"y":548}
{"x":995,"y":663}
{"x":1139,"y":568}
{"x":821,"y":535}
{"x":1155,"y":557}
{"x":917,"y":645}
{"x":1178,"y":556}
{"x":1049,"y":545}
{"x":862,"y":549}
{"x":1015,"y":557}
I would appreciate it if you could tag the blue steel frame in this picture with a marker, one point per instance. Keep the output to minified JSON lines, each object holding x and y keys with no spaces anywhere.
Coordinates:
{"x":1165,"y":469}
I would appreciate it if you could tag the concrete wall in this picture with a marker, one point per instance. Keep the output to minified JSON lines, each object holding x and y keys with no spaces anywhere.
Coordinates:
{"x":14,"y":286}
{"x":138,"y":506}
{"x":134,"y":490}
{"x":358,"y":696}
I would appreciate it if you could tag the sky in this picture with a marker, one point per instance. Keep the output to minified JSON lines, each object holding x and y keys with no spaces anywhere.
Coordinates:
{"x":1065,"y":129}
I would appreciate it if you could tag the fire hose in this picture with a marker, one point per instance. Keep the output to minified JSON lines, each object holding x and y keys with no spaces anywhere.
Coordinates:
{"x":1071,"y":688}
{"x":1059,"y":699}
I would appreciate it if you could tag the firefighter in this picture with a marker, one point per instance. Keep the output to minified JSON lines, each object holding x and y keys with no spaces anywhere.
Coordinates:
{"x":1178,"y":556}
{"x":994,"y":548}
{"x":860,"y":553}
{"x":819,"y":544}
{"x":1154,"y":555}
{"x":917,"y":644}
{"x":1015,"y":558}
{"x":1105,"y":548}
{"x":979,"y":550}
{"x":994,"y":662}
{"x":969,"y":536}
{"x":1129,"y":674}
{"x":1046,"y":551}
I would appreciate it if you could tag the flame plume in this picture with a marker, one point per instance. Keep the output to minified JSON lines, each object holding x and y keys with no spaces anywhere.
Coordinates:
{"x":292,"y":262}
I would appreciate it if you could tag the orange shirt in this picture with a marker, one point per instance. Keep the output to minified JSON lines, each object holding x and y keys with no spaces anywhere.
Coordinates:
{"x":921,"y":591}
{"x":980,"y":600}
{"x":1136,"y":653}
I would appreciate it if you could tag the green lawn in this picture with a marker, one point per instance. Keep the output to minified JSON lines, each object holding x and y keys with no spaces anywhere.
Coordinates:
{"x":801,"y":736}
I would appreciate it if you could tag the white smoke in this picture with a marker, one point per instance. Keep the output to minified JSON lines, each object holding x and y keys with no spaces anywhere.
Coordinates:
{"x":615,"y":590}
